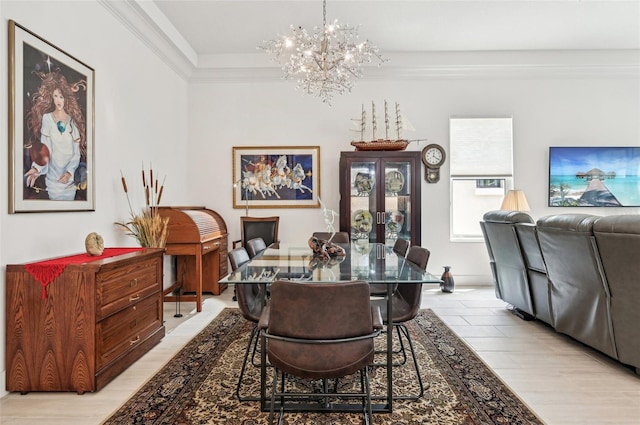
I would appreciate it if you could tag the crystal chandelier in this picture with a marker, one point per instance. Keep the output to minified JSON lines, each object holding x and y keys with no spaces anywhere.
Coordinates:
{"x":324,"y":62}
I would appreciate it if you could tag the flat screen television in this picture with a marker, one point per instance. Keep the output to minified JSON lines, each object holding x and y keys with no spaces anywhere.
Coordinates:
{"x":594,"y":176}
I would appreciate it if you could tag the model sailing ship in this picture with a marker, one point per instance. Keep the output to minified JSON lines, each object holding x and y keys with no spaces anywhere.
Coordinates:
{"x":386,"y":143}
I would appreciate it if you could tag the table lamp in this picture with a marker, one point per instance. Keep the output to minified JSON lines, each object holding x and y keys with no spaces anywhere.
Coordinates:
{"x":515,"y":200}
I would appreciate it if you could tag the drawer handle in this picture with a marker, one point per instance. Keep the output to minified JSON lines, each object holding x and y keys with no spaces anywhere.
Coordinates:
{"x":134,"y":298}
{"x":133,"y":283}
{"x":206,"y":247}
{"x":135,"y":340}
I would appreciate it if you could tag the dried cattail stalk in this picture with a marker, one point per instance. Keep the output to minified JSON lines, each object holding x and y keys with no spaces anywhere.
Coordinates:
{"x":126,"y":191}
{"x":160,"y":194}
{"x":148,"y":227}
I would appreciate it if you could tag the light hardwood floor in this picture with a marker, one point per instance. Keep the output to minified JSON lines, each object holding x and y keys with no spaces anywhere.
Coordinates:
{"x":564,"y":382}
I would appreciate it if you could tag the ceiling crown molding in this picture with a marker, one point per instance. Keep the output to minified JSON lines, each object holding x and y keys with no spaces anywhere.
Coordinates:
{"x":151,"y":26}
{"x":147,"y":23}
{"x":445,"y":65}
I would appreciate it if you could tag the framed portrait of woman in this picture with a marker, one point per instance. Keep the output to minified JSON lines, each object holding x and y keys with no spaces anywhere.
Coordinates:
{"x":51,"y":127}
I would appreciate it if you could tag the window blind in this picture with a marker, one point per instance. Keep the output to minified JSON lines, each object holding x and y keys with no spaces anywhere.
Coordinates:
{"x":481,"y":146}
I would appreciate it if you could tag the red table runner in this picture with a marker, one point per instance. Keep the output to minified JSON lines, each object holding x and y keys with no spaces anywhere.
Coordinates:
{"x":46,"y":271}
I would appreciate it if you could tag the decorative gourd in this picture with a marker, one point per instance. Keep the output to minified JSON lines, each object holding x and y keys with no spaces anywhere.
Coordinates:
{"x":94,"y":244}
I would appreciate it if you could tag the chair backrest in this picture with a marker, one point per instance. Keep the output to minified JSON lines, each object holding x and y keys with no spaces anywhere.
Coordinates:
{"x":320,"y":311}
{"x":259,"y":227}
{"x":401,"y":246}
{"x":419,"y":256}
{"x":238,"y":257}
{"x":255,"y":246}
{"x":338,"y":237}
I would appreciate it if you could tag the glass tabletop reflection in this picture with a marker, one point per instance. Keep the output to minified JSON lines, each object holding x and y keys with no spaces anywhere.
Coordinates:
{"x":371,"y":262}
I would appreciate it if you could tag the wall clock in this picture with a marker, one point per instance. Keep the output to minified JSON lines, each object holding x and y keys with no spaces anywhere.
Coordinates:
{"x":433,"y":157}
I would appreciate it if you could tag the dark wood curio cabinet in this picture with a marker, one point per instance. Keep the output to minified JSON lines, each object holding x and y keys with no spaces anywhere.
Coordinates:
{"x":380,"y":195}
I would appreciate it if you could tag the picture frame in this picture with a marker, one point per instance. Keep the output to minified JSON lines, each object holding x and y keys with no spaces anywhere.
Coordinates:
{"x":276,"y":177}
{"x":594,"y":176}
{"x":51,"y":127}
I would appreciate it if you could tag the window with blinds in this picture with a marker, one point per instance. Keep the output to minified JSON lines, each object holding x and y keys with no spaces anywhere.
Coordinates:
{"x":481,"y":151}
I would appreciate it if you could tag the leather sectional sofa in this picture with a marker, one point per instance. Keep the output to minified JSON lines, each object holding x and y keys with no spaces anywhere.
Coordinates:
{"x":579,"y":273}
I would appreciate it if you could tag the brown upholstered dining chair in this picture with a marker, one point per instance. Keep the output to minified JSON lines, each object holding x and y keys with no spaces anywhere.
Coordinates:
{"x":401,"y":246}
{"x":255,"y":246}
{"x":251,"y":302}
{"x":258,"y":227}
{"x":319,"y":332}
{"x":335,"y":237}
{"x":238,"y":257}
{"x":419,"y":256}
{"x":406,"y":301}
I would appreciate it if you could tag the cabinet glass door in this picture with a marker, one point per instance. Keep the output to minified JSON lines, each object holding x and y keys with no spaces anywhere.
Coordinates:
{"x":380,"y":196}
{"x":363,"y":200}
{"x":397,"y":201}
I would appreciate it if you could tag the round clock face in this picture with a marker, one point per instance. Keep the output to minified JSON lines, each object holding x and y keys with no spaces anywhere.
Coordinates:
{"x":433,"y":155}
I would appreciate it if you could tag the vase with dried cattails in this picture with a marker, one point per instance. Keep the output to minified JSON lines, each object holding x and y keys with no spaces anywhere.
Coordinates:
{"x":147,"y":226}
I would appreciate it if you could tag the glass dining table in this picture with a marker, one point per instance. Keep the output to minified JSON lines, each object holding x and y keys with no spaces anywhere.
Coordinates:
{"x":372,"y":262}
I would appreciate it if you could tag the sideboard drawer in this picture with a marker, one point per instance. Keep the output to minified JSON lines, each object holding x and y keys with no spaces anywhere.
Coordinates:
{"x":120,"y":332}
{"x":118,"y":289}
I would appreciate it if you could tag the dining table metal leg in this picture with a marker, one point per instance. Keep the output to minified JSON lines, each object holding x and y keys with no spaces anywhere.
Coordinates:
{"x":389,"y":347}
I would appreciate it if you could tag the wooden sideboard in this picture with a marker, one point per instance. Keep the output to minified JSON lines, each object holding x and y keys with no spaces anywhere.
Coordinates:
{"x":95,"y":320}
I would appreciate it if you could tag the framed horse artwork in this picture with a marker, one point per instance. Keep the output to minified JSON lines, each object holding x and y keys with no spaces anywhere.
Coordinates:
{"x":276,"y":177}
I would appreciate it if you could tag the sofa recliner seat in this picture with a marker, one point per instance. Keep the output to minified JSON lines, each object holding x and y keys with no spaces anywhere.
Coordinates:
{"x":618,"y":240}
{"x":580,"y":295}
{"x":536,"y":271}
{"x":508,"y":266}
{"x":583,"y":275}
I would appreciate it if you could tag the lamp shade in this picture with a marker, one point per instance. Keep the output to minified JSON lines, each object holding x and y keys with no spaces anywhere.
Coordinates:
{"x":515,"y":200}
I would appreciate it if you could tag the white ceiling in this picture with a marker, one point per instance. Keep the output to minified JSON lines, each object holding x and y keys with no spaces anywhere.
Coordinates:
{"x":212,"y":27}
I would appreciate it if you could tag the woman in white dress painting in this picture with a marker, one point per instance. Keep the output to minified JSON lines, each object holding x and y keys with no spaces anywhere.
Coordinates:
{"x":58,"y":132}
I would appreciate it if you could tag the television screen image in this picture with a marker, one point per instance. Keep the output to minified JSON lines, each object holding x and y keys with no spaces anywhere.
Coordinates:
{"x":594,"y":176}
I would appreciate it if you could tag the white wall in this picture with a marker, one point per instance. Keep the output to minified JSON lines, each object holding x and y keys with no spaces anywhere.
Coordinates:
{"x":552,"y":108}
{"x":140,"y":115}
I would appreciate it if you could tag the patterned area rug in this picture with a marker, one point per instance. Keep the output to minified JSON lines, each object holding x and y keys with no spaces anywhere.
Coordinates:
{"x":198,"y":385}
